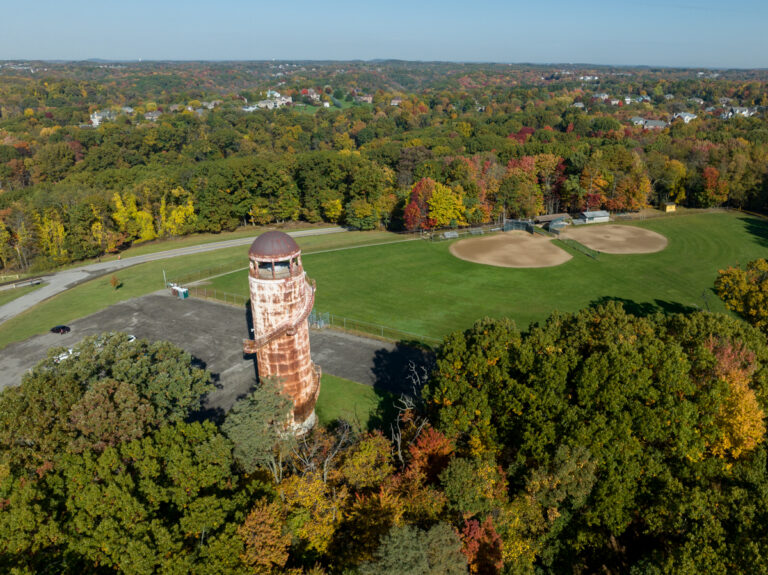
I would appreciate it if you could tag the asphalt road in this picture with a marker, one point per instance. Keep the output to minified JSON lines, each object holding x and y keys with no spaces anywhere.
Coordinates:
{"x":213,"y":334}
{"x":66,"y":279}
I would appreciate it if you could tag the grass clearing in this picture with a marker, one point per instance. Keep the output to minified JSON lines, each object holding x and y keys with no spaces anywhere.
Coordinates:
{"x":9,"y":295}
{"x":360,"y":405}
{"x":419,"y":287}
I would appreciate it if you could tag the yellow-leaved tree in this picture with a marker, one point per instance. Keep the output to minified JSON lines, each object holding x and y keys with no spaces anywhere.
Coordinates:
{"x":740,"y":419}
{"x":445,"y":206}
{"x":137,"y":224}
{"x":313,"y":509}
{"x":51,"y":236}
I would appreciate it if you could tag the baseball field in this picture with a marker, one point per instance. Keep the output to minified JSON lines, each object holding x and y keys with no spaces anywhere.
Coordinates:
{"x":422,"y":287}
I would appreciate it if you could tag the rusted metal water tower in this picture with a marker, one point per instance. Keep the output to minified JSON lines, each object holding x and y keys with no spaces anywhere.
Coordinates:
{"x":281,"y":300}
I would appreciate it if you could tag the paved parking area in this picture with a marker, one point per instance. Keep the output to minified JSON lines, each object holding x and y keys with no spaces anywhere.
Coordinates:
{"x":213,"y":334}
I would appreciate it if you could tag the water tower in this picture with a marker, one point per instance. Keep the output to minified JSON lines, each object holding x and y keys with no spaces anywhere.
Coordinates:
{"x":281,"y":300}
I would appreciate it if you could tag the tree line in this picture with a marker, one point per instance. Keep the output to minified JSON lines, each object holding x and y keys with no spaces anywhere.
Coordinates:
{"x":438,"y":158}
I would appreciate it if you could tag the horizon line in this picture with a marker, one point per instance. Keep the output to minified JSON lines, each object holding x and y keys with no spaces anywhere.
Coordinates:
{"x":371,"y":60}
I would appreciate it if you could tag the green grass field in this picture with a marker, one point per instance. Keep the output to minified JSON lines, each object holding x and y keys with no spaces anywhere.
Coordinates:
{"x":139,"y":280}
{"x":361,"y":405}
{"x":12,"y":294}
{"x":420,"y":287}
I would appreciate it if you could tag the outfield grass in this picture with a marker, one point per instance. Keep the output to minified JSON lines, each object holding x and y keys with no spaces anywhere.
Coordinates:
{"x":11,"y":294}
{"x":420,"y":287}
{"x":360,"y":405}
{"x":139,"y":280}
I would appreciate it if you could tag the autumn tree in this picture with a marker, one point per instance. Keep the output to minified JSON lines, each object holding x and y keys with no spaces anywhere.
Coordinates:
{"x":266,"y":542}
{"x":745,"y":291}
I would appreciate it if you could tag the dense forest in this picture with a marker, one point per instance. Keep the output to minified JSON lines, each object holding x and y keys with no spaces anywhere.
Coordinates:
{"x":95,"y":157}
{"x":594,"y":442}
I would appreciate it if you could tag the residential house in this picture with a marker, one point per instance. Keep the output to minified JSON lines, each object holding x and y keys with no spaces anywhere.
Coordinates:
{"x":685,"y":116}
{"x":648,"y":124}
{"x":102,"y":116}
{"x":395,"y":101}
{"x":696,"y":100}
{"x":153,"y":116}
{"x":364,"y":98}
{"x":579,"y":105}
{"x":742,"y":111}
{"x":655,"y":124}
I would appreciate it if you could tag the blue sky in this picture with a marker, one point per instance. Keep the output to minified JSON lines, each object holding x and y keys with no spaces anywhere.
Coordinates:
{"x":700,"y":33}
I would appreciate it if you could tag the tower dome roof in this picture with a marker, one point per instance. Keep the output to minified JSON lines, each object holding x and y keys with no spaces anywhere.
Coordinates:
{"x":273,"y":245}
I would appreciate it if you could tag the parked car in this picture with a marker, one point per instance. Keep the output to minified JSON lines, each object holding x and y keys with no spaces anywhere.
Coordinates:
{"x":62,"y":329}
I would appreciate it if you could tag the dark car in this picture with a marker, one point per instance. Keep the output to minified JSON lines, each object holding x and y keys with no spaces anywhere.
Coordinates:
{"x":60,"y":329}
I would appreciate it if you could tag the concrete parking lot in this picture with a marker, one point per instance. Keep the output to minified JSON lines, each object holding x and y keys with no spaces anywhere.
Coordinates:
{"x":213,"y":334}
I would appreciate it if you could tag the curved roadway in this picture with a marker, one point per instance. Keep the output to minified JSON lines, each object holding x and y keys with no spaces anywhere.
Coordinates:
{"x":66,"y":279}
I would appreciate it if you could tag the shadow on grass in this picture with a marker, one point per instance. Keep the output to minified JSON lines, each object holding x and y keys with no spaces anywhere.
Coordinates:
{"x":759,"y":229}
{"x":645,"y":309}
{"x":385,"y":413}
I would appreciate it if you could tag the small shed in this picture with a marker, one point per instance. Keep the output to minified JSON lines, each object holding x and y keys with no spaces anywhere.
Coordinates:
{"x":669,"y":207}
{"x":551,"y":218}
{"x":595,"y":217}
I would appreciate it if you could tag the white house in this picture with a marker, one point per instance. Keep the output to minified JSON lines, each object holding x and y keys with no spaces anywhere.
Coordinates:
{"x":685,"y":116}
{"x":102,"y":116}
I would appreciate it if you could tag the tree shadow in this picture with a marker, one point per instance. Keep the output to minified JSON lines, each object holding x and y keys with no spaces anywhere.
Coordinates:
{"x":249,"y":326}
{"x":645,"y":309}
{"x":757,"y":228}
{"x":386,"y":412}
{"x":402,"y":369}
{"x":207,"y":413}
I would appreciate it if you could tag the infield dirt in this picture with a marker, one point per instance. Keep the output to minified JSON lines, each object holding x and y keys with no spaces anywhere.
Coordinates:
{"x":617,"y":239}
{"x":515,"y":249}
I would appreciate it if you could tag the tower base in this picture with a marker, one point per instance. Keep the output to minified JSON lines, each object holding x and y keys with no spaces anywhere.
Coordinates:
{"x":305,"y":426}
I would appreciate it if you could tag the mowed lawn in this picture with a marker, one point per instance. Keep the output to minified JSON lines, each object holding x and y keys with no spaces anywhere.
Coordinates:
{"x":361,"y":405}
{"x":421,"y":288}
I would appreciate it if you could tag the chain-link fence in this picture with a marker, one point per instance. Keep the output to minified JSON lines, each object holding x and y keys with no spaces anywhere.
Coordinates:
{"x":218,"y":295}
{"x":204,"y":274}
{"x":321,"y":320}
{"x":452,"y":234}
{"x":579,"y":247}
